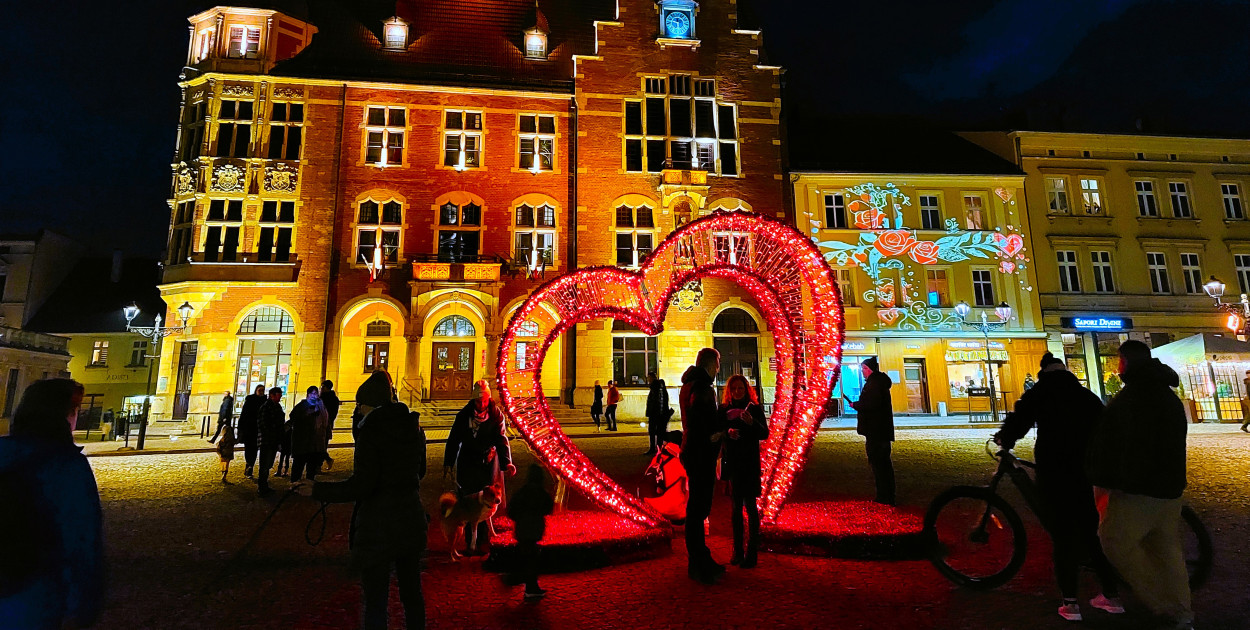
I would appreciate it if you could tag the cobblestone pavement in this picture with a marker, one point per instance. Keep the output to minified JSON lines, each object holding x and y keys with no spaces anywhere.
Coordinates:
{"x":174,"y":534}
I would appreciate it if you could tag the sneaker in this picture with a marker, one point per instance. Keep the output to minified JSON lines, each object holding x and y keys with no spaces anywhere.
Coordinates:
{"x":1071,"y":612}
{"x":538,"y":594}
{"x":1112,"y":605}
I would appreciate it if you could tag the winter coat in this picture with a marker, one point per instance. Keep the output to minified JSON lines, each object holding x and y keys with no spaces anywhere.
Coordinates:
{"x":225,"y":447}
{"x":332,"y":403}
{"x":249,"y":415}
{"x":225,"y":413}
{"x":389,"y":520}
{"x":1065,"y":414}
{"x":742,"y":456}
{"x":1139,"y":445}
{"x":875,"y":409}
{"x":657,"y":401}
{"x":596,"y":407}
{"x":308,"y":425}
{"x":528,"y":508}
{"x":469,"y":450}
{"x":699,"y":422}
{"x":270,"y":426}
{"x":614,"y":396}
{"x":69,"y":579}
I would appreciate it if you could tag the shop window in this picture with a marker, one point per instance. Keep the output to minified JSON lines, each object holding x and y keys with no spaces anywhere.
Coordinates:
{"x":1074,"y":356}
{"x":455,"y":326}
{"x":1179,"y":193}
{"x":462,"y":139}
{"x":286,"y":131}
{"x":965,"y":376}
{"x":384,"y":135}
{"x":1057,"y":195}
{"x":930,"y":212}
{"x":377,"y":356}
{"x":835,"y":212}
{"x":378,"y":225}
{"x":1146,"y":205}
{"x":537,"y":137}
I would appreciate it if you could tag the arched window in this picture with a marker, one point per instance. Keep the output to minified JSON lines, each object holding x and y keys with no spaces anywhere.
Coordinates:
{"x":267,"y":319}
{"x":455,"y":326}
{"x":734,"y":321}
{"x":378,"y":328}
{"x":528,"y":328}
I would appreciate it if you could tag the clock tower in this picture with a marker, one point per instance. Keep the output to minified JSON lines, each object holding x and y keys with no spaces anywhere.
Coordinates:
{"x":677,"y":19}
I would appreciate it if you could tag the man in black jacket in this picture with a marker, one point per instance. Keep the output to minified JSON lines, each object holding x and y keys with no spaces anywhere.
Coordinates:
{"x":876,"y":424}
{"x":700,"y":448}
{"x":248,"y":417}
{"x":271,"y":426}
{"x":1137,"y":457}
{"x":1065,"y":414}
{"x":478,"y":449}
{"x":657,"y":411}
{"x":225,"y":415}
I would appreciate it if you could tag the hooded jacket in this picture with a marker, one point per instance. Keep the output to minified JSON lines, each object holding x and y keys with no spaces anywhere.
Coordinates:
{"x":699,"y":421}
{"x":1139,"y":445}
{"x":875,"y":409}
{"x":469,"y":450}
{"x":1065,"y":414}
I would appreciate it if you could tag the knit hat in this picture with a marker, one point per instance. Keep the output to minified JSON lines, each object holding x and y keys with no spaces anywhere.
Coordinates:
{"x":871,"y":362}
{"x":375,"y":391}
{"x":1048,"y":360}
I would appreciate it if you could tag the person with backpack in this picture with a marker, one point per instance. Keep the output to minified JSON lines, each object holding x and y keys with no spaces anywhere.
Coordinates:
{"x":52,"y":551}
{"x":307,"y":426}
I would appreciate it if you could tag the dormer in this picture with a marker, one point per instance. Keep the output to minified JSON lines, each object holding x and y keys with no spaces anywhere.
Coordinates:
{"x":677,"y":22}
{"x":535,"y":39}
{"x":395,"y":34}
{"x":245,"y":40}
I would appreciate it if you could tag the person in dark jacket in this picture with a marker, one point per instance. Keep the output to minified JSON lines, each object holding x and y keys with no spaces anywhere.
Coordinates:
{"x":596,"y":406}
{"x":248,"y":417}
{"x":746,"y":427}
{"x":270,"y":431}
{"x":700,"y":448}
{"x":1136,"y":457}
{"x":225,"y":415}
{"x":389,"y":525}
{"x":308,"y":425}
{"x":528,"y":508}
{"x":1064,"y":413}
{"x":332,"y":403}
{"x":478,"y":449}
{"x":876,"y":424}
{"x":52,"y":562}
{"x":658,"y":411}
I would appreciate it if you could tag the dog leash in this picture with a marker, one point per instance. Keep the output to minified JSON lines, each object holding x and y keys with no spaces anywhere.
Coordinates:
{"x":321,"y":512}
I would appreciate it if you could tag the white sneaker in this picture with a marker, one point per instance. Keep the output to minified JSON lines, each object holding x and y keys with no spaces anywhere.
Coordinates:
{"x":1071,"y":612}
{"x":1112,"y":605}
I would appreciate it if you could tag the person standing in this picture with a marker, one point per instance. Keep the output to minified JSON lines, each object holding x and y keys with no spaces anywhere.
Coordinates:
{"x":1064,"y":413}
{"x":271,"y":430}
{"x":700,"y":448}
{"x":52,"y":559}
{"x":876,"y":424}
{"x":1028,"y":378}
{"x":614,"y":399}
{"x":658,"y":411}
{"x":308,"y":429}
{"x":225,"y":452}
{"x":331,"y":400}
{"x":528,"y":509}
{"x":478,"y":449}
{"x":1136,"y":456}
{"x":225,"y":415}
{"x":746,"y":427}
{"x":388,"y":532}
{"x":596,"y":407}
{"x":248,"y":417}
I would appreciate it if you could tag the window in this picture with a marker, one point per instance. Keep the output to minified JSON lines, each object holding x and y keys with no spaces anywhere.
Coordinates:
{"x":1179,"y":193}
{"x":1232,"y":201}
{"x":675,"y":129}
{"x":1192,"y":272}
{"x":1057,"y":194}
{"x":384,"y":135}
{"x":224,"y":222}
{"x":285,"y":131}
{"x":1091,"y":196}
{"x":634,"y":234}
{"x":1100,"y":262}
{"x":974,"y":212}
{"x":982,"y":287}
{"x":267,"y":320}
{"x":234,"y":128}
{"x":633,"y":358}
{"x":1069,"y":273}
{"x":455,"y":245}
{"x":395,"y":34}
{"x":378,"y":225}
{"x":835,"y":212}
{"x":732,"y":248}
{"x":462,"y":139}
{"x":454,"y":326}
{"x":192,"y":130}
{"x":537,"y":142}
{"x":930,"y":212}
{"x":1242,"y":261}
{"x":180,"y":235}
{"x":734,"y":321}
{"x":377,"y":355}
{"x":1158,"y":267}
{"x":846,"y":285}
{"x":535,"y":44}
{"x":1146,"y":206}
{"x":99,"y":353}
{"x":276,"y":221}
{"x":937,"y":288}
{"x":535,"y":235}
{"x":139,"y":353}
{"x":378,"y":328}
{"x":203,"y":45}
{"x":244,"y":42}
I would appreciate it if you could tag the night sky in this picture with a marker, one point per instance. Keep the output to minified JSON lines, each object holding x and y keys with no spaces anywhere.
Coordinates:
{"x":88,"y":120}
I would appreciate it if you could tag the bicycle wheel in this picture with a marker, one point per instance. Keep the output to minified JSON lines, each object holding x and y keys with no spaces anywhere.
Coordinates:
{"x":1196,"y":541}
{"x":978,"y":539}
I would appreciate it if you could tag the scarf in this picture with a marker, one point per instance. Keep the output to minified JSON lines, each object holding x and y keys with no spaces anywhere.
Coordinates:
{"x":479,"y":417}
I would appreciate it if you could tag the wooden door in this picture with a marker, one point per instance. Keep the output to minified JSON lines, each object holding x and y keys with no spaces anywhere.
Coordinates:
{"x":451,"y":370}
{"x":186,"y":371}
{"x":916,"y":380}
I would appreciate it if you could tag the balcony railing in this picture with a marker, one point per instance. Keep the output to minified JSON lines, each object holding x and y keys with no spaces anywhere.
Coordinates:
{"x":244,"y":268}
{"x":451,"y":268}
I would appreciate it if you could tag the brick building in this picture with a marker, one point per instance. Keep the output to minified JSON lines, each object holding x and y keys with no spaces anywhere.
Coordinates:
{"x":363,"y":185}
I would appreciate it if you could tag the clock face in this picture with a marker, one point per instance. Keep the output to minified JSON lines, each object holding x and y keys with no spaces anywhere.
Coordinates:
{"x":678,"y":25}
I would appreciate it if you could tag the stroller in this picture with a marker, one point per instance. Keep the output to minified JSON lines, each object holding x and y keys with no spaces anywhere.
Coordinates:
{"x":666,"y":488}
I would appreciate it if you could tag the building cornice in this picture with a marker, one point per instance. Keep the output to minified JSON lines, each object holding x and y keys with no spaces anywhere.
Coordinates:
{"x":372,"y":85}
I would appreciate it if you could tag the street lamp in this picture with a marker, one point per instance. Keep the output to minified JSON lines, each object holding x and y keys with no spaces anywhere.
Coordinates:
{"x":1238,"y":312}
{"x":1003,"y":311}
{"x":156,"y":333}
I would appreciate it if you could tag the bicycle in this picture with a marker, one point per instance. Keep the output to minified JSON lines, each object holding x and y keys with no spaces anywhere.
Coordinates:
{"x":979,"y":540}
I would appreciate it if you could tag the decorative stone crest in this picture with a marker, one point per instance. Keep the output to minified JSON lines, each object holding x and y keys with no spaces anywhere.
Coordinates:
{"x":288,"y":92}
{"x":229,"y":178}
{"x":689,"y":296}
{"x":184,"y":179}
{"x":236,"y":90}
{"x":281,"y":177}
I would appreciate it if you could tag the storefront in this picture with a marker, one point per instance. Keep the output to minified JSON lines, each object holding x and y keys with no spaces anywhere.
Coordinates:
{"x":1091,"y":349}
{"x":1212,"y":369}
{"x":850,"y":377}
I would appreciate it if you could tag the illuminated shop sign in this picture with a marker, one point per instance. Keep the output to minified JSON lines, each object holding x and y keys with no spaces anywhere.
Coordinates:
{"x":1097,"y":322}
{"x":854,"y":346}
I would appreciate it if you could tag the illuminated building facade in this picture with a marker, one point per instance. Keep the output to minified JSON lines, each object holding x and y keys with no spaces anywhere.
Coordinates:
{"x":364,"y":185}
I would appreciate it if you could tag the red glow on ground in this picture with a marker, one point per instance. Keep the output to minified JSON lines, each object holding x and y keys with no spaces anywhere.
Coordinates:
{"x":845,"y":518}
{"x":584,"y":528}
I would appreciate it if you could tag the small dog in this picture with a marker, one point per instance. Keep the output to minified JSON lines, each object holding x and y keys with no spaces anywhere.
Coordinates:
{"x":466,"y":513}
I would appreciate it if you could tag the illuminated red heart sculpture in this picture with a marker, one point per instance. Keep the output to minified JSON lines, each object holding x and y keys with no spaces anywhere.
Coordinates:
{"x":790,"y":281}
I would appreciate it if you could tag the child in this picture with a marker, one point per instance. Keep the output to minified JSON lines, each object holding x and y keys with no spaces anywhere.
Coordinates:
{"x":225,"y":450}
{"x":741,"y":412}
{"x":529,"y":508}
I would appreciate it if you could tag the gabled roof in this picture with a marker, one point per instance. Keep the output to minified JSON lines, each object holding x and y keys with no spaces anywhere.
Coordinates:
{"x":460,"y":42}
{"x":89,"y":301}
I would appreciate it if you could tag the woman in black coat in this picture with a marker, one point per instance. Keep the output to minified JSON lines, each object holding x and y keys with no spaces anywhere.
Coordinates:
{"x":596,"y":407}
{"x":741,"y":412}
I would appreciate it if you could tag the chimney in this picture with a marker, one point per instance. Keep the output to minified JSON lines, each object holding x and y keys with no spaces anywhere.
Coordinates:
{"x":116,"y":275}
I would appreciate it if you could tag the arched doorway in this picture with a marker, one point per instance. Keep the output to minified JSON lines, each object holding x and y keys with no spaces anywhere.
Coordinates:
{"x":736,"y":336}
{"x":265,"y":339}
{"x":371,"y":337}
{"x":451,"y":360}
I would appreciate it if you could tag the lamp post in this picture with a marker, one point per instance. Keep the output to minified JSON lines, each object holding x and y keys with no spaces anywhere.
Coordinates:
{"x":156,"y":333}
{"x":1238,"y":312}
{"x":985,"y":326}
